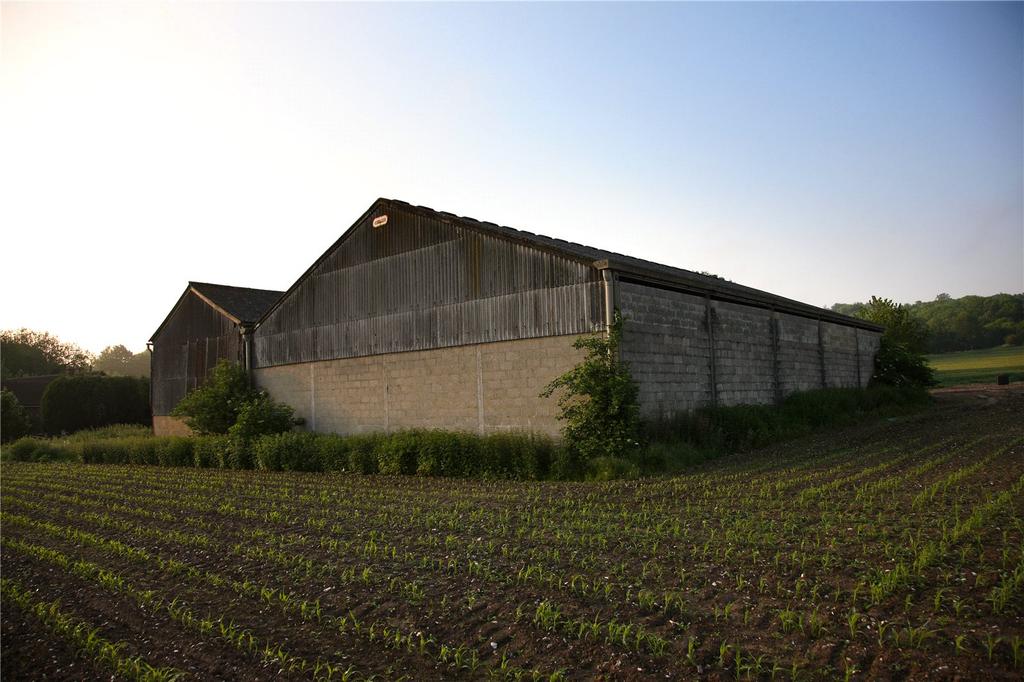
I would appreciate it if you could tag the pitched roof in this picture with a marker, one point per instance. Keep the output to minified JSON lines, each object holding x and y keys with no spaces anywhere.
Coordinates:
{"x":649,"y":271}
{"x":241,"y":305}
{"x":637,"y":268}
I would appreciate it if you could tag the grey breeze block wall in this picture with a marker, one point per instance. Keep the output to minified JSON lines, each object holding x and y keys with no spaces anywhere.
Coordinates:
{"x":484,"y":388}
{"x":686,"y":351}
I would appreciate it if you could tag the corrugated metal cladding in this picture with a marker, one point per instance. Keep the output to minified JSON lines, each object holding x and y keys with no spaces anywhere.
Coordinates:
{"x":417,"y":283}
{"x":189,"y":344}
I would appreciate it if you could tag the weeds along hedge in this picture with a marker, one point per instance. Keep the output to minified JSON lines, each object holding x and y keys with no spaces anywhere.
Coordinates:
{"x":707,"y":432}
{"x":421,"y":453}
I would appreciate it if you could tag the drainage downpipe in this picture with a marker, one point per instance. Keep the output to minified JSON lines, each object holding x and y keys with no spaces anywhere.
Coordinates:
{"x":247,"y":352}
{"x":609,"y":298}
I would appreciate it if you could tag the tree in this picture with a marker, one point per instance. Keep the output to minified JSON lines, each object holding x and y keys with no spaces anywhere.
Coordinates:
{"x":14,"y":420}
{"x":112,"y":360}
{"x":30,"y":353}
{"x":118,"y":361}
{"x":900,"y":359}
{"x":966,"y":323}
{"x":900,"y":326}
{"x":599,"y":400}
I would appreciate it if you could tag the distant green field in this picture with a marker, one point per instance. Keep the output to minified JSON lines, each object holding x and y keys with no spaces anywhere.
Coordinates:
{"x":978,"y":366}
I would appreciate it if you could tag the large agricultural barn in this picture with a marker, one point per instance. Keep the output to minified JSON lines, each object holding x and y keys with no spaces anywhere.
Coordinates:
{"x":419,"y":318}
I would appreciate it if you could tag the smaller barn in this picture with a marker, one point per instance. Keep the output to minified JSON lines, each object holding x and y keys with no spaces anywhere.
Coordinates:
{"x":209,"y":322}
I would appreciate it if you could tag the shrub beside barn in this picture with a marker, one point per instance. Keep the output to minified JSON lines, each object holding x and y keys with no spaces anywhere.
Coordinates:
{"x":418,"y":318}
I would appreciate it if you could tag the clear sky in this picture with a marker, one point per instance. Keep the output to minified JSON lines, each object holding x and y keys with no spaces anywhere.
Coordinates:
{"x":825,"y":152}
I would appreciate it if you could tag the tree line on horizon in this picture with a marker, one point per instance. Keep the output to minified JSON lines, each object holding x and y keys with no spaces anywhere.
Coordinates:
{"x":28,"y":353}
{"x":967,"y":323}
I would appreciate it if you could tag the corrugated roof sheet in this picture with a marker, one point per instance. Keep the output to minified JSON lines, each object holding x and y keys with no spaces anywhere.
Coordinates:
{"x":629,"y":265}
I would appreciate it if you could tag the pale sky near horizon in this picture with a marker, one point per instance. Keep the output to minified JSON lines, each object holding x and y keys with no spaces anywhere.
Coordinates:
{"x":824,"y":152}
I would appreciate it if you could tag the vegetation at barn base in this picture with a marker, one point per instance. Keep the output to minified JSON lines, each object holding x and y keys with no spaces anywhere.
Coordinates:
{"x":708,"y":433}
{"x":672,"y":445}
{"x":599,"y":401}
{"x":85,"y":401}
{"x":978,"y":366}
{"x":15,"y":420}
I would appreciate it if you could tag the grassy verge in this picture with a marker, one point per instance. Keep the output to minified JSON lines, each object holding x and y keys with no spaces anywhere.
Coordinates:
{"x":978,"y":366}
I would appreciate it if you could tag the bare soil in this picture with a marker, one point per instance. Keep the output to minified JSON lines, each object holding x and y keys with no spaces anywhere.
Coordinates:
{"x":757,"y":565}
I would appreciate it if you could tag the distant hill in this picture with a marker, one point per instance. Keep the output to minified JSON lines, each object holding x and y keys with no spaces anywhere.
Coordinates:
{"x":967,"y":323}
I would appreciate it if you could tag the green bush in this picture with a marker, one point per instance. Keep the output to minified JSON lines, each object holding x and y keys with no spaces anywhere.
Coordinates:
{"x":567,"y":464}
{"x":213,"y":452}
{"x":261,"y":416}
{"x":333,"y":453}
{"x":599,"y":399}
{"x":397,"y":452}
{"x":31,"y":449}
{"x":444,"y":453}
{"x":213,"y":407}
{"x":293,"y":451}
{"x":174,"y":451}
{"x":513,"y":455}
{"x":90,"y":452}
{"x":611,"y":468}
{"x":141,"y":450}
{"x":22,"y":449}
{"x":362,"y":453}
{"x":87,"y":401}
{"x":14,"y":420}
{"x":48,"y":452}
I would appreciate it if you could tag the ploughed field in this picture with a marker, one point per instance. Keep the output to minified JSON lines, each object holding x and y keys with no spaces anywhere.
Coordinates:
{"x":887,"y":551}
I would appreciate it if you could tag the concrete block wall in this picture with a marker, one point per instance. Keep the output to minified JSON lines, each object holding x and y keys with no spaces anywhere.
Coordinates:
{"x":744,"y":355}
{"x":840,"y":347}
{"x":665,"y":342}
{"x":868,"y":343}
{"x":170,"y":426}
{"x":756,"y":356}
{"x":481,"y":388}
{"x":799,"y":357}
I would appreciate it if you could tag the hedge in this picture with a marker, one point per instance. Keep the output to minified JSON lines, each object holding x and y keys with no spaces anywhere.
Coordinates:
{"x":85,"y":401}
{"x":683,"y":441}
{"x":422,"y":453}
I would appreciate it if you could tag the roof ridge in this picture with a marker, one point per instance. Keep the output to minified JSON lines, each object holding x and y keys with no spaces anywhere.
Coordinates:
{"x":232,"y":286}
